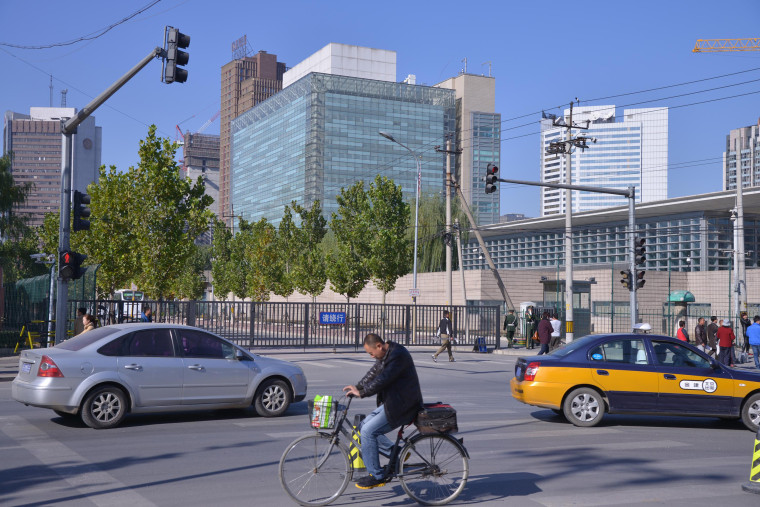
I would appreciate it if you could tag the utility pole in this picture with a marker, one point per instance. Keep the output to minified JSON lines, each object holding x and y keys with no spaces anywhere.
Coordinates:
{"x":741,"y":273}
{"x":448,"y":240}
{"x":566,"y":147}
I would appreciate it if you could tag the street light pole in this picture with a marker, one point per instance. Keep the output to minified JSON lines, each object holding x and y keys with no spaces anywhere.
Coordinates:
{"x":416,"y":225}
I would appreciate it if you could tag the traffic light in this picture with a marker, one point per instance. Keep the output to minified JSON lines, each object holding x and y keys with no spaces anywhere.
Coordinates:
{"x":639,"y":255}
{"x":640,"y":279}
{"x":175,"y":57}
{"x":491,"y":178}
{"x":627,"y":279}
{"x":70,"y":265}
{"x":81,"y":211}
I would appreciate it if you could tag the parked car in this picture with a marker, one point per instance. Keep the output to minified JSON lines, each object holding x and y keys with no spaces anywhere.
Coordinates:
{"x":635,"y":374}
{"x":103,"y":374}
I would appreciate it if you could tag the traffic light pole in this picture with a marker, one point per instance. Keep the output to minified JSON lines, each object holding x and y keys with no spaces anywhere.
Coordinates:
{"x":630,"y":193}
{"x":68,"y":129}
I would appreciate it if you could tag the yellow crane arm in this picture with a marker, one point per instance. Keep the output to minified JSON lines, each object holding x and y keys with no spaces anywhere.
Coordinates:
{"x":724,"y":45}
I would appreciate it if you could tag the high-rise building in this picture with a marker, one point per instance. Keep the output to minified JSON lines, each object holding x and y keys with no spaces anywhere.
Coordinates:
{"x":742,"y":149}
{"x":631,"y":152}
{"x":478,"y":130}
{"x":346,"y":60}
{"x":35,"y":140}
{"x":245,"y":82}
{"x":201,"y":158}
{"x":321,"y":134}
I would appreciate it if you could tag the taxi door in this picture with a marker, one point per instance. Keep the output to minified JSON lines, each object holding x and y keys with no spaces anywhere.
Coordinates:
{"x":622,"y":367}
{"x":688,"y":384}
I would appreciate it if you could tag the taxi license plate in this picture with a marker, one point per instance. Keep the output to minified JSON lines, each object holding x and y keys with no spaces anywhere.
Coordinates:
{"x":26,"y":367}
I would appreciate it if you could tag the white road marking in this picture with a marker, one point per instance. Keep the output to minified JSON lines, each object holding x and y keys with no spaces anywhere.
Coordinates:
{"x":702,"y":492}
{"x":99,"y":487}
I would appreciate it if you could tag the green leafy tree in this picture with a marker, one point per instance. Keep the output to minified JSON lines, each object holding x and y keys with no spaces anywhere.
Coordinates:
{"x":389,"y":244}
{"x":288,"y":246}
{"x":347,"y":266}
{"x":259,"y":248}
{"x":145,"y":222}
{"x":432,"y":228}
{"x":310,"y":270}
{"x":191,"y":281}
{"x":222,"y":270}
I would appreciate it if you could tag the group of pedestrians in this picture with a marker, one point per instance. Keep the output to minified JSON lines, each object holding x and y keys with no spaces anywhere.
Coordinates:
{"x":548,"y":330}
{"x":718,"y":338}
{"x":84,"y":321}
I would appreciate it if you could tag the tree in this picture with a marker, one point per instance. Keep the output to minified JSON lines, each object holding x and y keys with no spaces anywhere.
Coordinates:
{"x":310,"y":271}
{"x":191,"y":281}
{"x":145,"y":222}
{"x":259,"y":249}
{"x":389,"y":244}
{"x":288,"y":245}
{"x":222,"y":272}
{"x":432,"y":227}
{"x":347,"y":263}
{"x":12,"y":195}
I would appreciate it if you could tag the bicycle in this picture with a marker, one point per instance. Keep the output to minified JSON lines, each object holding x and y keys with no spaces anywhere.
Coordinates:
{"x":315,"y":469}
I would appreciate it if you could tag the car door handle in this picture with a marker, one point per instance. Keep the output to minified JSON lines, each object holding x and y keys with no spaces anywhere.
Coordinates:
{"x":602,"y":372}
{"x":133,"y":366}
{"x":669,"y":376}
{"x":196,"y":367}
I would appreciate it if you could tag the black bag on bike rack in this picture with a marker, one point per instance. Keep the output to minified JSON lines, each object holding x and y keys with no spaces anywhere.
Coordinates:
{"x":436,"y":418}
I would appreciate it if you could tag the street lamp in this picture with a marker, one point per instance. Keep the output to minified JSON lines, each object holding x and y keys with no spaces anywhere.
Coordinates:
{"x":416,"y":207}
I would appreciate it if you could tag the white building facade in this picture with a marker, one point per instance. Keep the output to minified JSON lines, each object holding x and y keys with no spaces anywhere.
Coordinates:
{"x":346,"y":60}
{"x":630,"y":150}
{"x":742,"y":150}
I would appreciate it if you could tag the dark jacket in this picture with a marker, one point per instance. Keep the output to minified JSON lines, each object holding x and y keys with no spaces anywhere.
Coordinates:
{"x":545,"y":331}
{"x":745,"y":322}
{"x":712,"y":331}
{"x":394,"y":380}
{"x":444,"y":327}
{"x":700,"y":335}
{"x":510,"y":321}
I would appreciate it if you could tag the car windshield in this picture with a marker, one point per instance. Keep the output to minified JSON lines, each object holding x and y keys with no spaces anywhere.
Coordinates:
{"x":573,"y":346}
{"x":82,"y":340}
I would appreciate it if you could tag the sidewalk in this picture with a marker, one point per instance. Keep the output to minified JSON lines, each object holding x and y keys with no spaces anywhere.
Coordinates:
{"x":8,"y":368}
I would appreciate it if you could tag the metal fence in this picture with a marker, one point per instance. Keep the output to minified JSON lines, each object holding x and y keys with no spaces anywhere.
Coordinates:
{"x":309,"y":324}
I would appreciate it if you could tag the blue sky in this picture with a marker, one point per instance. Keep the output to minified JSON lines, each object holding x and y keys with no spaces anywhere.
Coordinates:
{"x":543,"y":54}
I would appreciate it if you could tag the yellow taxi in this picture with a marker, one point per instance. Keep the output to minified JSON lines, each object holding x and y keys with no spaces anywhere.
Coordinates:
{"x":636,"y":374}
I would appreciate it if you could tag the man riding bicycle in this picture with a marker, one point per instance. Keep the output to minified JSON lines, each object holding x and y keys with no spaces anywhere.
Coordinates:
{"x":393,"y":378}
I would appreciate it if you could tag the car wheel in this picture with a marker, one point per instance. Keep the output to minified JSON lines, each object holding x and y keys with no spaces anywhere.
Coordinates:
{"x":584,"y":407}
{"x":105,"y":407}
{"x":272,"y":398}
{"x":751,"y":412}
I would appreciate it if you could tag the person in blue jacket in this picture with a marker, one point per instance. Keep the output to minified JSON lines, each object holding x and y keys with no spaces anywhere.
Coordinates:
{"x":393,"y":378}
{"x":753,"y":336}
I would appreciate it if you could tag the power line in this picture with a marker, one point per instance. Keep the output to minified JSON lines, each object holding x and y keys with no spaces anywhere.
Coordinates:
{"x":89,"y":36}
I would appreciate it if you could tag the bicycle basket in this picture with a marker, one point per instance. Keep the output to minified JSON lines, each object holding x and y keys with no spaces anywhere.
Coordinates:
{"x":323,"y":411}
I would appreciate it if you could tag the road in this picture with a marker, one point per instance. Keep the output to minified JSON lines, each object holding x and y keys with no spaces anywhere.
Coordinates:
{"x":521,"y":456}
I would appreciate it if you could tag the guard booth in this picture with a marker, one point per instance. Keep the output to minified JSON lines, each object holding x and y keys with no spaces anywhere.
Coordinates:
{"x":676,"y":308}
{"x":554,"y":300}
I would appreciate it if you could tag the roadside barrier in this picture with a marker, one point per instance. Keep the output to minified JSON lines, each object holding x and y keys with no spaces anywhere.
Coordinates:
{"x":753,"y":486}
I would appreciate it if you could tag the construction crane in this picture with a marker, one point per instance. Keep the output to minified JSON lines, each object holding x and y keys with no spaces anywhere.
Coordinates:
{"x":209,"y":122}
{"x":180,"y":137}
{"x":726,"y":45}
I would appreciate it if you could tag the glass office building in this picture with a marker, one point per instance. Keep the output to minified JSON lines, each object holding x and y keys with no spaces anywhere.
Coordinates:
{"x":320,"y":134}
{"x":692,"y":233}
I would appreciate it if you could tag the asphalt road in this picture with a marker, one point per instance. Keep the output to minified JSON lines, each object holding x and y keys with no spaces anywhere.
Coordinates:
{"x":521,"y":456}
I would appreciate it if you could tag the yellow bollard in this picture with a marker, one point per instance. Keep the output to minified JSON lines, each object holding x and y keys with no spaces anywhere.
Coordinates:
{"x":357,"y":463}
{"x":753,"y":486}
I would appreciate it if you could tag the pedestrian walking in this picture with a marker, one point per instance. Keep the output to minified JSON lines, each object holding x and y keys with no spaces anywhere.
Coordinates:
{"x":712,"y":330}
{"x":753,"y":334}
{"x":544,"y":333}
{"x":726,"y":339}
{"x":531,"y":320}
{"x":510,"y":324}
{"x":89,"y":323}
{"x":682,"y":334}
{"x":700,"y":335}
{"x":556,"y":332}
{"x":745,"y":322}
{"x":446,"y":333}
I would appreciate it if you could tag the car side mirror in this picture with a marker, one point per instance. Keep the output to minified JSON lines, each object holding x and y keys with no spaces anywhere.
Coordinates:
{"x":239,"y":355}
{"x":714,"y":365}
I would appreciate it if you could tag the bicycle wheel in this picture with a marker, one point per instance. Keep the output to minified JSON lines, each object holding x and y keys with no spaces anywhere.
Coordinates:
{"x":433,"y":469}
{"x":312,"y":472}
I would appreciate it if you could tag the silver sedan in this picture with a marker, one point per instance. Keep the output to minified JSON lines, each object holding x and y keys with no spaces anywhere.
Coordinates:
{"x":103,"y":374}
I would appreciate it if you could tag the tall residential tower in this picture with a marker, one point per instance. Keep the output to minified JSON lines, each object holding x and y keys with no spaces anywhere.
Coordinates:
{"x":742,"y":149}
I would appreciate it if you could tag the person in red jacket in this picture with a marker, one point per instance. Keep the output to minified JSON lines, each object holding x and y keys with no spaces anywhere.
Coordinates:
{"x":544,"y":333}
{"x":726,"y":339}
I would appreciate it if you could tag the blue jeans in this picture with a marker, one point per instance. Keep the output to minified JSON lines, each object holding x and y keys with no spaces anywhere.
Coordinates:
{"x":756,"y":352}
{"x":544,"y":349}
{"x":373,"y":439}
